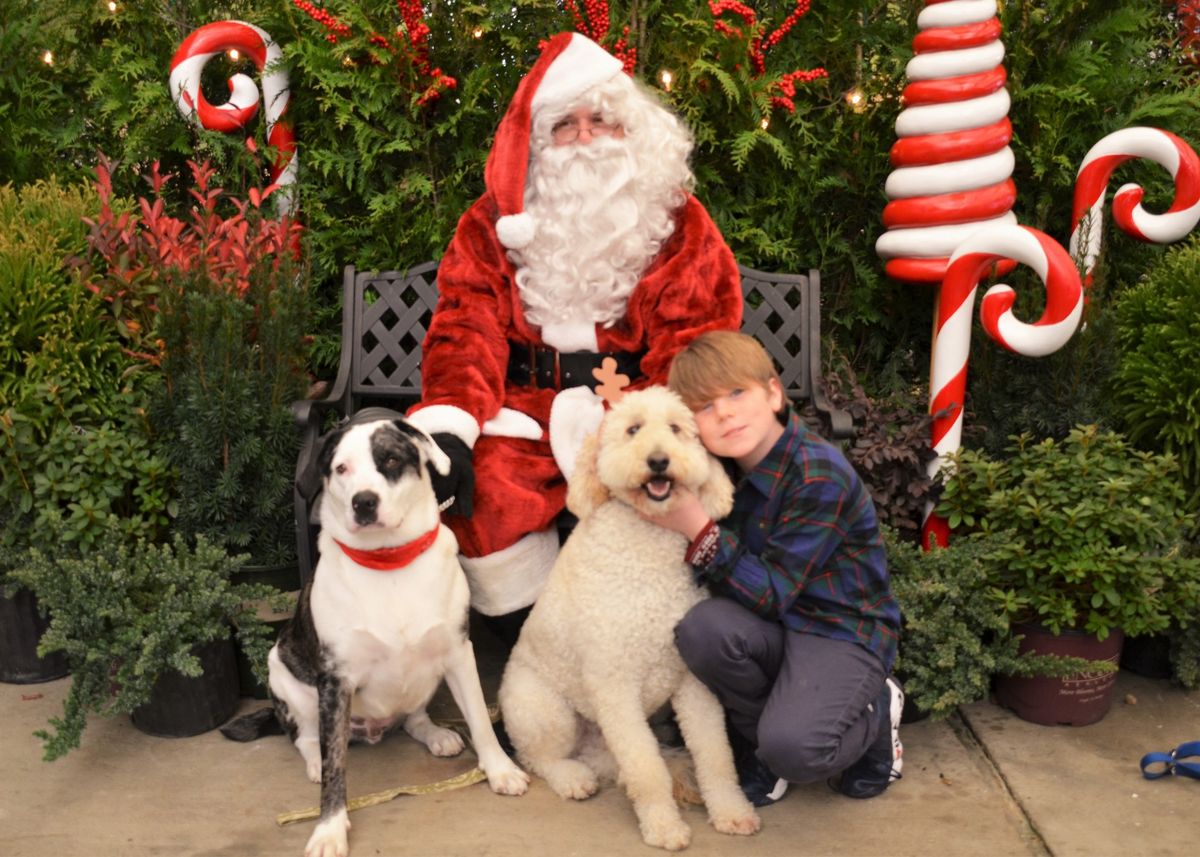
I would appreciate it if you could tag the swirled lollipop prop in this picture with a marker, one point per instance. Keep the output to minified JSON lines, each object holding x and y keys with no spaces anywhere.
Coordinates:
{"x":953,"y":163}
{"x":1087,"y":214}
{"x":232,"y":115}
{"x":973,"y":260}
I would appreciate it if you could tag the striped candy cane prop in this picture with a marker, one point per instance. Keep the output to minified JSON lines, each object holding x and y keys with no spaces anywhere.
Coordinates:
{"x":1087,"y":215}
{"x":973,"y":260}
{"x":953,"y":164}
{"x":186,"y":67}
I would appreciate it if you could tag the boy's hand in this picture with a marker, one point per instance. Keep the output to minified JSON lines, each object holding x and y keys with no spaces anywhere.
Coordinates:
{"x":686,"y":516}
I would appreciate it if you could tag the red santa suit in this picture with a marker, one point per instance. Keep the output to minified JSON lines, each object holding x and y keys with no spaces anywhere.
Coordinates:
{"x":490,"y":376}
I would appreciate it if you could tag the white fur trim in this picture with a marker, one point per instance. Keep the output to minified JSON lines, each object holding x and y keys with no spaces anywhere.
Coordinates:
{"x":513,"y":577}
{"x":515,"y":231}
{"x":571,"y":336}
{"x":574,"y":414}
{"x":511,"y":423}
{"x":448,"y":418}
{"x":582,"y":65}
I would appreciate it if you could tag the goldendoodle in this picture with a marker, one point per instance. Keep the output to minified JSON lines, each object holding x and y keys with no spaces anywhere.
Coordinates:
{"x":598,"y":648}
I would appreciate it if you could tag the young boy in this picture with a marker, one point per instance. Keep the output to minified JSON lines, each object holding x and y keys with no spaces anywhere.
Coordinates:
{"x":799,"y":640}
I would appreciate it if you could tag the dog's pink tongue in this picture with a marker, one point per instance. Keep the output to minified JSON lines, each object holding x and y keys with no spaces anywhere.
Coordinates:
{"x":659,"y":488}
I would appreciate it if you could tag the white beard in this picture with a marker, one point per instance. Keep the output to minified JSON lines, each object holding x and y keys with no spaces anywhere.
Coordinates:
{"x":598,"y":227}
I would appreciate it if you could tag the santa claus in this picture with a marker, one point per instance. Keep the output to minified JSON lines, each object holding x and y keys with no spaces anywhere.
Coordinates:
{"x":587,"y":244}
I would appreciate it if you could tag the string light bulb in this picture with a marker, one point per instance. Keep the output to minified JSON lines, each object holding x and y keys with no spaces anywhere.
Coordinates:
{"x":112,"y":6}
{"x":48,"y":58}
{"x":666,"y":77}
{"x":233,"y":54}
{"x":765,"y":123}
{"x":477,"y":32}
{"x":856,"y":100}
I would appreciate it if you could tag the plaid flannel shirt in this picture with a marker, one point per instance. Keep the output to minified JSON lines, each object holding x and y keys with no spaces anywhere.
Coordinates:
{"x":802,"y":546}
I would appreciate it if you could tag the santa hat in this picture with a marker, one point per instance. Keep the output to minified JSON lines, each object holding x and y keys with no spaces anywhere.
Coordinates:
{"x":569,"y":66}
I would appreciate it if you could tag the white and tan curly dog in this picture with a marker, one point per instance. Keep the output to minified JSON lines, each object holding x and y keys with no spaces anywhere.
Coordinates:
{"x":598,"y":647}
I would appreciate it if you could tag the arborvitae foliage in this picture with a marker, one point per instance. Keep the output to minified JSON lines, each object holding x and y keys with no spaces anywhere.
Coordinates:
{"x":386,"y":170}
{"x":1154,"y":388}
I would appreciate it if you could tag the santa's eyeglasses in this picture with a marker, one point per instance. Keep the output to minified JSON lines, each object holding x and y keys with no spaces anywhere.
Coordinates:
{"x":569,"y":129}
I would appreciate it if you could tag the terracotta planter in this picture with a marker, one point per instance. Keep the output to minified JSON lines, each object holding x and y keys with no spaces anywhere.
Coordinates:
{"x":1076,"y":701}
{"x":21,"y":627}
{"x":180,"y":706}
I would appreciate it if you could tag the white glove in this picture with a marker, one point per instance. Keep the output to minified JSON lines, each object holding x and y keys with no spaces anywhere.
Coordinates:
{"x":574,"y":414}
{"x":510,"y":423}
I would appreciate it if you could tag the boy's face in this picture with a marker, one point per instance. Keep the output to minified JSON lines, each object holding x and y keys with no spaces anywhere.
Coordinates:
{"x":741,"y":424}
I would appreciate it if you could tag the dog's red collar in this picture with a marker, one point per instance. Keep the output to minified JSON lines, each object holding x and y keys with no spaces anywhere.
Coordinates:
{"x":391,"y":559}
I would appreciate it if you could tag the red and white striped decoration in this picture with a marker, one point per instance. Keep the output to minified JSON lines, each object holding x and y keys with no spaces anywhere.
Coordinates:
{"x":186,"y":67}
{"x":953,"y":164}
{"x":1087,"y":214}
{"x":973,"y":260}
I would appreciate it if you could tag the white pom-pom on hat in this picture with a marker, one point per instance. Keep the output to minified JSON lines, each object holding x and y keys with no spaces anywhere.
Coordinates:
{"x":515,"y":231}
{"x":569,"y":66}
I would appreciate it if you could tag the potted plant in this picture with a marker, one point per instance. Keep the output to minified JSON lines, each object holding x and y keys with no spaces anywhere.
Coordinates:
{"x":227,"y":315}
{"x":956,"y":634}
{"x":1093,"y":549}
{"x":130,"y":617}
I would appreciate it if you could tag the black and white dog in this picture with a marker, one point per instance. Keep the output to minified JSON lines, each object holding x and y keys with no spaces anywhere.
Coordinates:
{"x":381,"y":623}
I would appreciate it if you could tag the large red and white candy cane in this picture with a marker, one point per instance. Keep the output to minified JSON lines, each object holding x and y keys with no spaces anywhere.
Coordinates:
{"x":1087,"y":215}
{"x":186,"y":67}
{"x":953,"y":164}
{"x":974,"y":260}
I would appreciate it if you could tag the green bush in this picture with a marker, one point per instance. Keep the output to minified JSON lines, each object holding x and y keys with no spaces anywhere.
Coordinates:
{"x":1157,"y":376}
{"x":128,"y":613}
{"x":956,"y":632}
{"x":74,"y":451}
{"x":1095,"y":530}
{"x":52,"y":332}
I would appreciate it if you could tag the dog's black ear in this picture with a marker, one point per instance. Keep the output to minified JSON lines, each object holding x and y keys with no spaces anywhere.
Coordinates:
{"x":312,"y":470}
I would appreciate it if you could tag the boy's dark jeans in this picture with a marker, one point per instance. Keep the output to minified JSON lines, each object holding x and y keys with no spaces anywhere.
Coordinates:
{"x":801,"y":698}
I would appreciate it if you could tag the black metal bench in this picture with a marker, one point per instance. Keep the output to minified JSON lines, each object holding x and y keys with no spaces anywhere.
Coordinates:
{"x":385,"y":316}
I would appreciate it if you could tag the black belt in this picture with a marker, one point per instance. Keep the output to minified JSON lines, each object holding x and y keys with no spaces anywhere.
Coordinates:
{"x":531,"y":365}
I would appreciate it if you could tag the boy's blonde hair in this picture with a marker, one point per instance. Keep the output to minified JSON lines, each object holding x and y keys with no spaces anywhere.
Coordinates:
{"x":716,"y":362}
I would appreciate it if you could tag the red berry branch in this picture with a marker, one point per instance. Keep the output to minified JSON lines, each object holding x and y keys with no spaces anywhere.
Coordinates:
{"x":760,"y":45}
{"x":594,"y":24}
{"x":417,"y":49}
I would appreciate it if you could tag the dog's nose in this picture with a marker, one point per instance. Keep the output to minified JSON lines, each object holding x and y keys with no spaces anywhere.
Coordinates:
{"x":365,"y":505}
{"x":658,"y":463}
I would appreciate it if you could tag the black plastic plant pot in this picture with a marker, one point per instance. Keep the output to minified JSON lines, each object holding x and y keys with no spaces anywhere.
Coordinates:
{"x":180,"y":706}
{"x":21,"y":627}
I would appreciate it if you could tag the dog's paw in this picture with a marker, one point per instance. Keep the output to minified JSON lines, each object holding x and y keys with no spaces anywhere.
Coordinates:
{"x":663,"y":828}
{"x":507,"y":779}
{"x":743,"y":823}
{"x":444,"y":742}
{"x":571,"y":779}
{"x":329,"y":838}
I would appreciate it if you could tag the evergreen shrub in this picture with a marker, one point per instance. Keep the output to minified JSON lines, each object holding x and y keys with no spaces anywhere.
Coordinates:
{"x":1155,"y":388}
{"x":129,"y":612}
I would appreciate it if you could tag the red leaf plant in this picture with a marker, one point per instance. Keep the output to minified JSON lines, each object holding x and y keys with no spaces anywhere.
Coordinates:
{"x":131,"y":257}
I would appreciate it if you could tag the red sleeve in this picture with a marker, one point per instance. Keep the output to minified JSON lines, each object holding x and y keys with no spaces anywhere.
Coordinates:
{"x":465,"y":352}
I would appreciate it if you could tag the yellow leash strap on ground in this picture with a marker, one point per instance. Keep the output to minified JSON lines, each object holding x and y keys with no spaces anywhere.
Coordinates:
{"x":470,"y":778}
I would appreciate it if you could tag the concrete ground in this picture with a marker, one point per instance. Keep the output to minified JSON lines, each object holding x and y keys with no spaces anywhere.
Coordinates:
{"x":981,"y":783}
